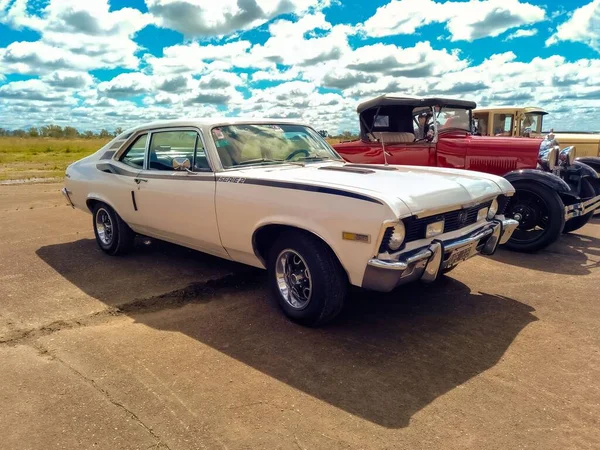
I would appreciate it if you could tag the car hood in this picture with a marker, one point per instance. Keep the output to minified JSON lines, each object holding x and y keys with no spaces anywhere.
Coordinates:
{"x":421,"y":189}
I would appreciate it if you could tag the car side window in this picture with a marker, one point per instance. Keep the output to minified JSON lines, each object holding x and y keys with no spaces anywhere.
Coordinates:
{"x":134,"y":156}
{"x":176,"y":151}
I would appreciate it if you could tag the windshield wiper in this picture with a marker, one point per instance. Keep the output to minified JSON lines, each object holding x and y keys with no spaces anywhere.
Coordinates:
{"x":267,"y":161}
{"x":315,"y":158}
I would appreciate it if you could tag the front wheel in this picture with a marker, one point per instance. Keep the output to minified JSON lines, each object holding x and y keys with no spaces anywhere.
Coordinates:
{"x":587,"y":191}
{"x":540,"y":213}
{"x":306,"y":278}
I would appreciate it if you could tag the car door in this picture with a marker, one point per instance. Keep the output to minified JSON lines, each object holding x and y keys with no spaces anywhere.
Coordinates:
{"x":121,"y":178}
{"x":177,"y":204}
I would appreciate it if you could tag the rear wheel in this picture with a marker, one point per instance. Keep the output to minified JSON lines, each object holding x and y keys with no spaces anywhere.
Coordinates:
{"x":113,"y":235}
{"x":540,"y":213}
{"x":306,"y":278}
{"x":587,"y":191}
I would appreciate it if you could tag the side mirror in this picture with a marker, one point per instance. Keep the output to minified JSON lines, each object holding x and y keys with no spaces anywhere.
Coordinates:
{"x":181,"y":163}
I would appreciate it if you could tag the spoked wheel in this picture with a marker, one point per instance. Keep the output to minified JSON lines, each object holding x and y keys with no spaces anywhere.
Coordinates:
{"x":293,"y":279}
{"x":104,"y":226}
{"x":540,"y":213}
{"x":113,"y":235}
{"x":306,"y":278}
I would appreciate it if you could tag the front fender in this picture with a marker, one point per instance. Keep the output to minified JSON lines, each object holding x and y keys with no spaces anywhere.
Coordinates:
{"x":545,"y":178}
{"x":590,"y":165}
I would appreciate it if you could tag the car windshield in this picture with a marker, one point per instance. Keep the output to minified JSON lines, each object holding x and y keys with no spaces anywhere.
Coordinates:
{"x":261,"y":144}
{"x":453,"y":118}
{"x":531,"y":123}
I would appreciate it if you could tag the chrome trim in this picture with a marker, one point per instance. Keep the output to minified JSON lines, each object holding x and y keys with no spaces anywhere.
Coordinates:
{"x":427,"y":262}
{"x":66,"y":193}
{"x":591,"y":205}
{"x":508,"y":228}
{"x":434,"y":265}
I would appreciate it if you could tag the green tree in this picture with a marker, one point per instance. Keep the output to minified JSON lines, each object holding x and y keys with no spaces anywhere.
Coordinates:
{"x":70,"y":132}
{"x":19,"y":133}
{"x":33,"y":132}
{"x":104,"y":133}
{"x":118,"y":131}
{"x":89,"y":134}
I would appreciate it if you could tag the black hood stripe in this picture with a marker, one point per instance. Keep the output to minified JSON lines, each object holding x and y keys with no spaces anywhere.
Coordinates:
{"x":310,"y":188}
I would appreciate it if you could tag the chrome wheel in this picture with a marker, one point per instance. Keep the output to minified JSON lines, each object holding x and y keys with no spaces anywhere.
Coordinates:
{"x":104,"y":226}
{"x":293,"y":279}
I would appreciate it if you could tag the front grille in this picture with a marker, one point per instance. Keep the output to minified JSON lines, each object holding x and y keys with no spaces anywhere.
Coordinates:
{"x":416,"y":228}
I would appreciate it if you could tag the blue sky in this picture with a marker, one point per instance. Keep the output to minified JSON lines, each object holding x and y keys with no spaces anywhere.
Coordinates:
{"x":114,"y":63}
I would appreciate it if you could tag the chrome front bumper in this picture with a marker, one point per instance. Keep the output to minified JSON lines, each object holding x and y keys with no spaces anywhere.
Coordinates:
{"x":582,"y":208}
{"x":66,"y":193}
{"x":427,"y":263}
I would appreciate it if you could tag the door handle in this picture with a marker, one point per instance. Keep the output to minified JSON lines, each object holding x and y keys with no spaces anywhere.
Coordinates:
{"x":139,"y":180}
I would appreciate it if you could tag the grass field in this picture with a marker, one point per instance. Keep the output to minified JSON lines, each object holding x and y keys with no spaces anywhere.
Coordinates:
{"x":23,"y":158}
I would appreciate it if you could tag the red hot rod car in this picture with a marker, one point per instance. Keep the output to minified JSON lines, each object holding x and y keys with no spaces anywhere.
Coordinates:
{"x":554,"y":193}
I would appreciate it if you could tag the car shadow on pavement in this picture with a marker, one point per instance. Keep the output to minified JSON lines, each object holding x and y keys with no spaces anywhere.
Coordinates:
{"x":386,"y":357}
{"x":572,"y":254}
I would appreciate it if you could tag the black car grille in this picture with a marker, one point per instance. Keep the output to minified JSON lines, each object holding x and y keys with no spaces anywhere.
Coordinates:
{"x":453,"y":220}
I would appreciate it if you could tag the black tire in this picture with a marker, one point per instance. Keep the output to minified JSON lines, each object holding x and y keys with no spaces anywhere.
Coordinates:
{"x":120,"y":238}
{"x":537,"y":206}
{"x":587,"y":191}
{"x":327,"y":279}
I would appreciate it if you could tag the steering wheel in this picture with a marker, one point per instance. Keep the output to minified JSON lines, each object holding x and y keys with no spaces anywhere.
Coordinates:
{"x":297,"y":152}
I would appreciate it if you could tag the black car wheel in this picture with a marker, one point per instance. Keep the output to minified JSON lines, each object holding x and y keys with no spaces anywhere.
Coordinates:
{"x":306,"y":278}
{"x":540,"y":213}
{"x":113,"y":235}
{"x":587,"y":191}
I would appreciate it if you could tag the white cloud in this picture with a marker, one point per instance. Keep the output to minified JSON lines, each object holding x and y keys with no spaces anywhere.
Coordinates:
{"x":289,"y":46}
{"x":217,"y":18}
{"x":522,"y":33}
{"x":464,"y":20}
{"x":74,"y":34}
{"x":582,"y":26}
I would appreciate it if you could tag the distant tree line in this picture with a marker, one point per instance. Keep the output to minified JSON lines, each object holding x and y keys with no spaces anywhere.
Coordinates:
{"x":56,"y":131}
{"x":344,"y":136}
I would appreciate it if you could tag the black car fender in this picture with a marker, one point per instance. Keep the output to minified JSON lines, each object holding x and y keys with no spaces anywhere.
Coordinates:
{"x":592,"y":162}
{"x":547,"y":179}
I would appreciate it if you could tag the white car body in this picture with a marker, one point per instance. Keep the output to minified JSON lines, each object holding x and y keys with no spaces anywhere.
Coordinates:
{"x":220,"y":212}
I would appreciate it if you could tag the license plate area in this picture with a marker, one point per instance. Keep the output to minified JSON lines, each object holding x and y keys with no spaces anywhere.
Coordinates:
{"x":461,"y":253}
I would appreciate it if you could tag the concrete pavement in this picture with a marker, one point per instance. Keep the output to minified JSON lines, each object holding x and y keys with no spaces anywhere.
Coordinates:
{"x":169,"y":348}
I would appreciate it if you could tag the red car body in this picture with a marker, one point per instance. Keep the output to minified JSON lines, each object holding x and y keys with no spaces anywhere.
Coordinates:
{"x":553,"y":194}
{"x":454,"y":148}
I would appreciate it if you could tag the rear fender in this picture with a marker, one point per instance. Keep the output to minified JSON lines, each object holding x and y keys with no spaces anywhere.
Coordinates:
{"x":549,"y":180}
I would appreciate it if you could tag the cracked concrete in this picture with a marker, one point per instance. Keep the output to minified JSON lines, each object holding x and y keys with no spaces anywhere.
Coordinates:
{"x":168,"y":348}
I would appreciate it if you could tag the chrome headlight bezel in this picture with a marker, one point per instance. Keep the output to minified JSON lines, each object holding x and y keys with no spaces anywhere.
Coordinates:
{"x":567,"y":156}
{"x":397,"y":237}
{"x":493,"y":209}
{"x":548,"y":154}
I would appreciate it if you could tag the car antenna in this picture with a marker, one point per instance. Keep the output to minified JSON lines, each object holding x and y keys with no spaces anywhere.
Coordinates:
{"x":383,"y":148}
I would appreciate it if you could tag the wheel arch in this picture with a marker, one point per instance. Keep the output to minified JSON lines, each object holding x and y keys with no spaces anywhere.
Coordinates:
{"x":93,"y":199}
{"x":546,"y":179}
{"x":266,"y":234}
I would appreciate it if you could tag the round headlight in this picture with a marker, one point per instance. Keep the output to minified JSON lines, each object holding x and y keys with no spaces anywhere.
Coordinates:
{"x":548,"y":154}
{"x":397,"y":237}
{"x":567,"y":155}
{"x":493,"y":209}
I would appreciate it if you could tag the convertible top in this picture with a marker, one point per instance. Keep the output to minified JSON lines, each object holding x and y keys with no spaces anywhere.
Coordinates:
{"x":400,"y":100}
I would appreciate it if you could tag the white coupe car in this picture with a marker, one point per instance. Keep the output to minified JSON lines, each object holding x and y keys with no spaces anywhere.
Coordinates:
{"x":273,"y":194}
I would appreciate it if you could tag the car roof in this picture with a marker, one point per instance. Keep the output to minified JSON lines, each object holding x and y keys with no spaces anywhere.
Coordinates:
{"x":525,"y":109}
{"x":407,"y":100}
{"x":214,"y":121}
